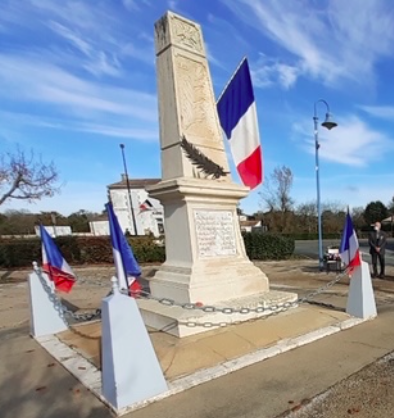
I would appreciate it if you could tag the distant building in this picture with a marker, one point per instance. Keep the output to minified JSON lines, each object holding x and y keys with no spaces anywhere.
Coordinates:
{"x":249,"y":224}
{"x":55,"y":231}
{"x":148,"y":212}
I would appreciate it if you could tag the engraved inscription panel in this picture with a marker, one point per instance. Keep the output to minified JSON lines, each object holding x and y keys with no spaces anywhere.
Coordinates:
{"x":196,"y":101}
{"x":215,"y":233}
{"x":186,"y":34}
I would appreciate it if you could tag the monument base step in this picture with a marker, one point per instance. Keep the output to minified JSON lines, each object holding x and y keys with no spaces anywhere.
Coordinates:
{"x":183,"y":322}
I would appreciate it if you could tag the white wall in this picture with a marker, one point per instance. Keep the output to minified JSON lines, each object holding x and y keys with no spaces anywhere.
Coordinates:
{"x":55,"y":231}
{"x":146,"y":221}
{"x":99,"y":227}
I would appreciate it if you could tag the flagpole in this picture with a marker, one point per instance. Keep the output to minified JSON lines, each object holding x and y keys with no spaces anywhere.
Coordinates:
{"x":231,"y":79}
{"x":128,"y":190}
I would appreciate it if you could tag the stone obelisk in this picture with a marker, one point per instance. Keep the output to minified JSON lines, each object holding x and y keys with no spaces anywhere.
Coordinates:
{"x":205,"y":254}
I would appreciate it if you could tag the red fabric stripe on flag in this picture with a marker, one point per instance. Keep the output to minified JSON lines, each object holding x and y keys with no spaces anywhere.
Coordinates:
{"x":251,"y":169}
{"x":356,"y":262}
{"x":63,"y":281}
{"x":135,"y":288}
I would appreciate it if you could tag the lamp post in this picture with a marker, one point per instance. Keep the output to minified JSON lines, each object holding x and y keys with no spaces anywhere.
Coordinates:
{"x":128,"y":190}
{"x":329,"y":124}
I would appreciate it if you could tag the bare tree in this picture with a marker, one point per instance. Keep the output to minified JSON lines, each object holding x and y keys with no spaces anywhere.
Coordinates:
{"x":26,"y":178}
{"x":276,"y":192}
{"x":307,"y":214}
{"x":276,"y":197}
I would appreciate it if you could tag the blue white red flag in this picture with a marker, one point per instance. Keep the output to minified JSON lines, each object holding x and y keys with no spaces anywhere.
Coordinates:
{"x":127,"y":268}
{"x":238,"y":118}
{"x":54,"y":264}
{"x":349,"y":249}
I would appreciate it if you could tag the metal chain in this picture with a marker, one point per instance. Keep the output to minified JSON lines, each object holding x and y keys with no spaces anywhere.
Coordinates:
{"x":241,"y":310}
{"x":267,"y":310}
{"x":62,"y":309}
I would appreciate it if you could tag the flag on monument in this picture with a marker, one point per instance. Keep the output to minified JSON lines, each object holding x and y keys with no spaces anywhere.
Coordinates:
{"x":54,"y":264}
{"x":349,"y":249}
{"x":238,"y":118}
{"x":127,"y":268}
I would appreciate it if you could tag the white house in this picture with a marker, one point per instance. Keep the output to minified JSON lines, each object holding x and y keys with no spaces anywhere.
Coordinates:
{"x":148,"y":212}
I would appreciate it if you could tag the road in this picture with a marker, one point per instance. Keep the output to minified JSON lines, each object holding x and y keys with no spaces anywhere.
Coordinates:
{"x":310,"y":249}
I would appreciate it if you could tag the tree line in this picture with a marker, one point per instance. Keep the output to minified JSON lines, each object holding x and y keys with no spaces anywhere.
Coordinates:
{"x":26,"y":177}
{"x":23,"y":222}
{"x":280,"y":213}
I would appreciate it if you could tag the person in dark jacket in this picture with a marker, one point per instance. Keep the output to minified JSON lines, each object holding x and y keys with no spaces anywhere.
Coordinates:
{"x":377,"y":249}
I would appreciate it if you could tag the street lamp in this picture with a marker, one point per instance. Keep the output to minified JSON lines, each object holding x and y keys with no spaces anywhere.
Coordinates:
{"x":329,"y":124}
{"x":128,"y":190}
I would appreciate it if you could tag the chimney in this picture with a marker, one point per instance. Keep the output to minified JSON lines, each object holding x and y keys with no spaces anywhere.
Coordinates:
{"x":124,"y":177}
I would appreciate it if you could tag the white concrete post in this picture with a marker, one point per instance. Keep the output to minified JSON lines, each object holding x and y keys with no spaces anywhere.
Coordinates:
{"x":46,"y":314}
{"x":131,"y":371}
{"x":361,"y":299}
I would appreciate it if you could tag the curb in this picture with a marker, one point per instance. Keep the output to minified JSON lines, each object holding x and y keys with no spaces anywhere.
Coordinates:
{"x":90,"y":376}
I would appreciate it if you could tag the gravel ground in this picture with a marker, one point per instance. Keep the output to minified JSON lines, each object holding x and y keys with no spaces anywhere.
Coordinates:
{"x":367,"y":394}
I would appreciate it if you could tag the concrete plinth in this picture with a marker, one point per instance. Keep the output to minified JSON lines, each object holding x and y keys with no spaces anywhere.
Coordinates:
{"x":361,"y":300}
{"x":205,"y":254}
{"x":182,"y":322}
{"x":46,"y":314}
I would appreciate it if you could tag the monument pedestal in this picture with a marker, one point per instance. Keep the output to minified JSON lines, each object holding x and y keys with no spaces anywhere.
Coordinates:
{"x":205,"y":254}
{"x":206,"y":260}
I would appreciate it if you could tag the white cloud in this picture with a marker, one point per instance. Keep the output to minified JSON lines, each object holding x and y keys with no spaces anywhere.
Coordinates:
{"x":268,"y":72}
{"x":211,"y":57}
{"x":383,"y":112}
{"x":352,"y":143}
{"x":332,"y":43}
{"x":130,"y":5}
{"x":76,"y":103}
{"x":27,"y":78}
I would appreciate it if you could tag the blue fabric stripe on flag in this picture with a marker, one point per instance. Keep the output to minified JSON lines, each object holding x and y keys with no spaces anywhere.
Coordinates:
{"x":347,"y":233}
{"x":120,"y":244}
{"x":55,"y":258}
{"x":236,"y":99}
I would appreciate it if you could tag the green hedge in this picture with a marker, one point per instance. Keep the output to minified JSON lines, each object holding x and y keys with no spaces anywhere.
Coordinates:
{"x":268,"y":246}
{"x":76,"y":250}
{"x":16,"y":253}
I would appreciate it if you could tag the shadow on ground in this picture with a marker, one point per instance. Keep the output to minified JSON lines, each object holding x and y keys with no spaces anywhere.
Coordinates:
{"x":33,"y":385}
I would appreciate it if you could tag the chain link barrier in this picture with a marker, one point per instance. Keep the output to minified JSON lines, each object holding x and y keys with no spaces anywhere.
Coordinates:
{"x":63,"y":310}
{"x":242,"y":310}
{"x":268,"y":311}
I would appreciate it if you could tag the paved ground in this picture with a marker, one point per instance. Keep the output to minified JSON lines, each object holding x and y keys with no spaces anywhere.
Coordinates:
{"x":33,"y":386}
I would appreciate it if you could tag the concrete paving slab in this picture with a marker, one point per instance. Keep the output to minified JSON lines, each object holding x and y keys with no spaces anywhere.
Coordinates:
{"x":201,"y":358}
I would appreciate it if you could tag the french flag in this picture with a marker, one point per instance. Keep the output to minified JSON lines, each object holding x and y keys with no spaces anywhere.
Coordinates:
{"x":127,"y":268}
{"x":349,"y":249}
{"x":238,"y":118}
{"x":54,"y":264}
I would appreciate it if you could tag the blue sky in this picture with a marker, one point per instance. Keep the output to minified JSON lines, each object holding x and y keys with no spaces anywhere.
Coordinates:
{"x":77,"y":78}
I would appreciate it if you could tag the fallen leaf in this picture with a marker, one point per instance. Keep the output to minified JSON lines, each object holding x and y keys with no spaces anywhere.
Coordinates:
{"x":29,"y":351}
{"x":82,"y":368}
{"x":290,"y":402}
{"x":40,"y":388}
{"x":50,"y":364}
{"x":296,"y":408}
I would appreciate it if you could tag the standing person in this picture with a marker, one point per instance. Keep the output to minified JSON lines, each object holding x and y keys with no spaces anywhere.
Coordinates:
{"x":377,"y":248}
